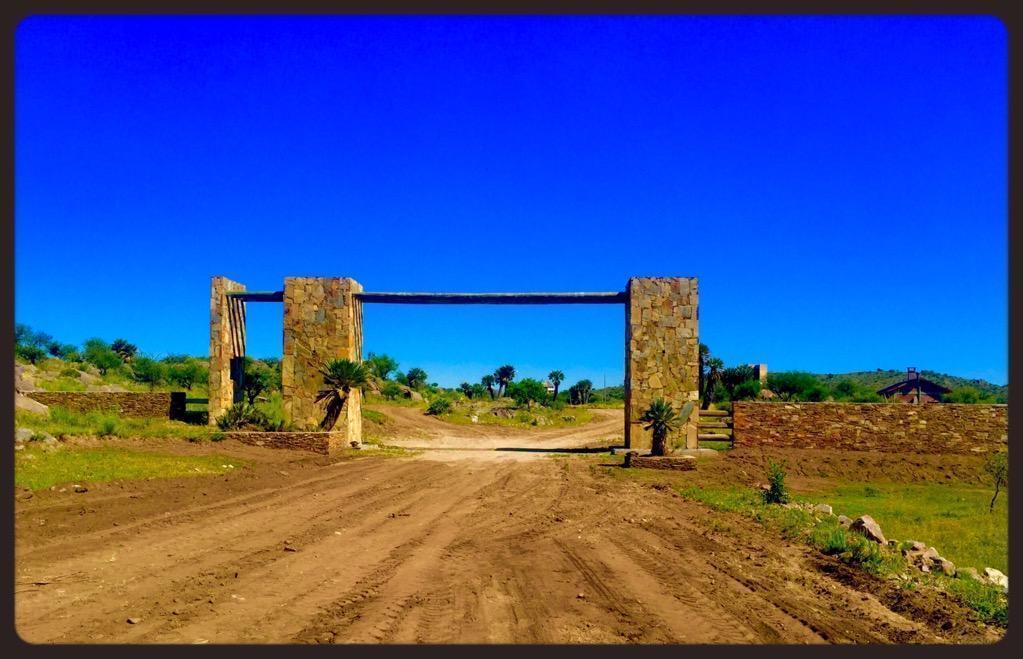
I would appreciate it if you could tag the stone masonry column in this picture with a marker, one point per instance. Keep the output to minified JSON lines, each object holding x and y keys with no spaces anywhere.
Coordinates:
{"x":322,"y":321}
{"x":662,"y":354}
{"x":227,"y":346}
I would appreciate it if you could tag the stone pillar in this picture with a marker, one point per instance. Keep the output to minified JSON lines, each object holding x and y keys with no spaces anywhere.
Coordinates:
{"x":322,"y":321}
{"x":662,"y":354}
{"x":227,"y":346}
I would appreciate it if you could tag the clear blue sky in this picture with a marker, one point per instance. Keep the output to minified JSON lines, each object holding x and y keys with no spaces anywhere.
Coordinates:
{"x":838,"y":185}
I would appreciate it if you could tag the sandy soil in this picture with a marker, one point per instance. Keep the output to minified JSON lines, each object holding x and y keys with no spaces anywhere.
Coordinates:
{"x":300,"y":548}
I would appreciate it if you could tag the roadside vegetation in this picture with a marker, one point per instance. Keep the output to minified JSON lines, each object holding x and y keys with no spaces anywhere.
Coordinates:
{"x":953,"y":517}
{"x":60,"y":423}
{"x":36,"y":468}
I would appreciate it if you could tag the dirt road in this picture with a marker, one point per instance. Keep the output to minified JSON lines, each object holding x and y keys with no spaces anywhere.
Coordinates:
{"x":417,"y":550}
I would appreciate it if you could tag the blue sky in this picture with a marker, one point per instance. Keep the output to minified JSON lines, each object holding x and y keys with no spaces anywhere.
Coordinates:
{"x":838,"y":185}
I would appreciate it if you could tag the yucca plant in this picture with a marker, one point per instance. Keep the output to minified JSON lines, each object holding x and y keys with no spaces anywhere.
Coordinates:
{"x":340,"y":376}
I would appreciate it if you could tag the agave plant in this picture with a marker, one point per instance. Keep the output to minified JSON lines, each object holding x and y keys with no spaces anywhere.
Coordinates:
{"x":340,"y":376}
{"x":661,"y":419}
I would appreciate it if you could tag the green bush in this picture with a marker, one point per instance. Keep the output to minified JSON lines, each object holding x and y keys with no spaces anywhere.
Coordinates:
{"x":748,"y":390}
{"x":147,"y":371}
{"x":242,"y":416}
{"x":776,"y":492}
{"x":107,"y":427}
{"x":439,"y":406}
{"x":31,"y":354}
{"x":391,"y":390}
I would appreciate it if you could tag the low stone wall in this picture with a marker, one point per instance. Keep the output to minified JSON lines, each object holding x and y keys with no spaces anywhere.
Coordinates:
{"x":930,"y":428}
{"x":324,"y":443}
{"x":168,"y":405}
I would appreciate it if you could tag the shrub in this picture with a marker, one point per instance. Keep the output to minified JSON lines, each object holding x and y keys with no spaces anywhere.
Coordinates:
{"x":147,"y":371}
{"x":528,"y":391}
{"x":390,"y":390}
{"x":381,"y":366}
{"x":791,"y":385}
{"x":776,"y":492}
{"x":340,"y":376}
{"x":661,"y":419}
{"x":107,"y":427}
{"x":415,"y":378}
{"x":101,"y":356}
{"x":70,"y":373}
{"x":968,"y":395}
{"x":186,"y":374}
{"x":242,"y":416}
{"x":748,"y":390}
{"x":439,"y":406}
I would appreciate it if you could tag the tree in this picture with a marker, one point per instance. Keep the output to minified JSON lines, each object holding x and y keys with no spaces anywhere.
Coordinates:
{"x":734,"y":376}
{"x":381,"y":366}
{"x":747,"y":390}
{"x":579,"y":393}
{"x":478,"y":391}
{"x":712,"y":379}
{"x":529,"y":391}
{"x":997,"y":466}
{"x":466,"y":389}
{"x":186,"y":374}
{"x":30,"y":353}
{"x":968,"y":395}
{"x":556,"y":378}
{"x":793,"y":385}
{"x":503,"y":375}
{"x":148,"y":371}
{"x":257,"y":378}
{"x":415,"y":378}
{"x":126,"y":351}
{"x":99,"y":354}
{"x":340,"y":376}
{"x":488,"y":382}
{"x":661,"y":419}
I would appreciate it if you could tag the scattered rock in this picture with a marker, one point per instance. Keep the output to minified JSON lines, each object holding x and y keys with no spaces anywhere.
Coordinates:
{"x":844,"y":521}
{"x":474,"y":418}
{"x":22,"y":435}
{"x":823,"y":508}
{"x":997,"y":578}
{"x":80,"y":489}
{"x":581,"y":596}
{"x":866,"y":526}
{"x":968,"y":573}
{"x":23,"y":402}
{"x":134,"y":621}
{"x":355,"y":444}
{"x":946,"y":566}
{"x":767,"y":394}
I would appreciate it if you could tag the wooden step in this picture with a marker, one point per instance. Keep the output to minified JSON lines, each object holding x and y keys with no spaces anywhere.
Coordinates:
{"x":714,"y":437}
{"x":715,"y":424}
{"x":715,"y":413}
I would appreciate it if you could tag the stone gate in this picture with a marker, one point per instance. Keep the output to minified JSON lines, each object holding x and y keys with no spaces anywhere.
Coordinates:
{"x":323,"y":321}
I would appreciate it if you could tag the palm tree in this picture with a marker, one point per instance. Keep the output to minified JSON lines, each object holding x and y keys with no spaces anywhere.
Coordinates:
{"x":488,"y":382}
{"x":466,"y":389}
{"x":556,"y":377}
{"x":660,"y":418}
{"x":340,"y":376}
{"x":504,"y":375}
{"x":415,"y":377}
{"x":714,"y":367}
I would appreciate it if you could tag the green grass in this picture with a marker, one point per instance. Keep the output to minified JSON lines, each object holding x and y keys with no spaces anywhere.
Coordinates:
{"x":520,"y":418}
{"x":38,"y":469}
{"x":60,"y":422}
{"x":953,"y":518}
{"x":716,"y":445}
{"x":374,"y":416}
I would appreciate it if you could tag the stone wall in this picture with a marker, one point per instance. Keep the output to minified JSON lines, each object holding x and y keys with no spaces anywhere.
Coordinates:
{"x":325,"y":443}
{"x":168,"y":405}
{"x":322,"y":321}
{"x":227,"y":346}
{"x":932,"y":428}
{"x":662,"y":354}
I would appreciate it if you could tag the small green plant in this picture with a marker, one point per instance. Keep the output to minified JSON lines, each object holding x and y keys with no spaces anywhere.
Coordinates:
{"x":776,"y":492}
{"x":107,"y":427}
{"x":439,"y":406}
{"x":871,"y":491}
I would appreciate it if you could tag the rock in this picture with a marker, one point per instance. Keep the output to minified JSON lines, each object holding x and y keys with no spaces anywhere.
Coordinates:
{"x":893,"y":543}
{"x":823,"y":508}
{"x":581,"y":596}
{"x":22,"y":435}
{"x":474,"y":418}
{"x":931,"y":554}
{"x":355,"y":444}
{"x":134,"y":621}
{"x":968,"y":573}
{"x":23,"y":402}
{"x":767,"y":394}
{"x":844,"y":521}
{"x":411,"y":394}
{"x":947,"y":567}
{"x":866,"y":526}
{"x":80,"y":489}
{"x":997,"y":578}
{"x":915,"y":546}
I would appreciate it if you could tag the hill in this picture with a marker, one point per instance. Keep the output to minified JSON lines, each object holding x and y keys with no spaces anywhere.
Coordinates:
{"x":881,"y":378}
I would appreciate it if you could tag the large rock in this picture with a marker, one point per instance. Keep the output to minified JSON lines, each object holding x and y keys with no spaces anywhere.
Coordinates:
{"x":997,"y":578}
{"x":411,"y":394}
{"x":843,"y":521}
{"x":968,"y":573}
{"x":823,"y":508}
{"x":23,"y":402}
{"x":23,"y":380}
{"x":22,"y":435}
{"x":865,"y":525}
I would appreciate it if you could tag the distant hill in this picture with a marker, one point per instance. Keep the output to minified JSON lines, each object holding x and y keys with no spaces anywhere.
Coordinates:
{"x":882,"y":378}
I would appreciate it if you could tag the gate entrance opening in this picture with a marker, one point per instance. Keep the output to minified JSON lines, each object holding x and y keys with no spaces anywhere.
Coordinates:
{"x":323,"y":321}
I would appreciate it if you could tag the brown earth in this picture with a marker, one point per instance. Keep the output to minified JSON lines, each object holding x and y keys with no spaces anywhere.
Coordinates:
{"x":444,"y":546}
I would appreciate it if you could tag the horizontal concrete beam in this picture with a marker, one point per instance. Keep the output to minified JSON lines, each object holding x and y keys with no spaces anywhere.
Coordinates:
{"x":258,"y":296}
